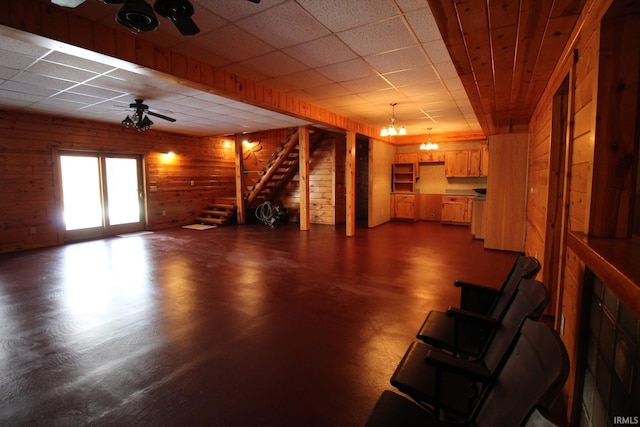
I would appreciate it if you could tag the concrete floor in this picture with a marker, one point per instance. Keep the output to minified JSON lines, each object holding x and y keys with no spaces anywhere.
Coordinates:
{"x":235,"y":326}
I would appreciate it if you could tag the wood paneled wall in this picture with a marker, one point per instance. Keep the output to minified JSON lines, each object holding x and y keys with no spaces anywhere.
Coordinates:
{"x":326,"y":184}
{"x":30,"y":197}
{"x":583,"y":93}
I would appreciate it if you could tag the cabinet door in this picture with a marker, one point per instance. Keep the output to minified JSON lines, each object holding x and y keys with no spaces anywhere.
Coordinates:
{"x":456,"y":163}
{"x":407,"y":158}
{"x":475,"y":163}
{"x":454,"y":209}
{"x":403,"y":207}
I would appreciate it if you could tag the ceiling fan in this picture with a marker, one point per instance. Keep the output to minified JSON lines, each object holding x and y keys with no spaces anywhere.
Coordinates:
{"x":139,"y":119}
{"x":138,"y":16}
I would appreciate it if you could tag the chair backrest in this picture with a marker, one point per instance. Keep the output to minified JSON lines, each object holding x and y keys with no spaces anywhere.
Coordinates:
{"x":525,"y":267}
{"x":533,"y":375}
{"x":530,"y":300}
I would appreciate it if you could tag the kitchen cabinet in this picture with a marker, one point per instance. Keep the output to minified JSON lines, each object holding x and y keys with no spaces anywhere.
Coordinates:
{"x":462,"y":163}
{"x":456,"y":210}
{"x":403,"y":207}
{"x":407,"y":157}
{"x":404,"y":177}
{"x":431,"y":156}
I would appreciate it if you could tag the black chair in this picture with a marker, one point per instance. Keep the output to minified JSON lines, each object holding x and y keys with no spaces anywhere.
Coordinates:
{"x":443,"y":382}
{"x":462,"y":331}
{"x":532,"y":377}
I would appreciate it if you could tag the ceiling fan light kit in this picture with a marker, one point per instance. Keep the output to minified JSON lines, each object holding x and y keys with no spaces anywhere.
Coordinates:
{"x":139,"y":16}
{"x":139,"y":120}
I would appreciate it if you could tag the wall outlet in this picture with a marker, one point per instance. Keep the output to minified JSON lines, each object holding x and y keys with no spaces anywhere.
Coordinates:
{"x":32,"y":230}
{"x":164,"y":213}
{"x":193,"y":183}
{"x":153,"y":189}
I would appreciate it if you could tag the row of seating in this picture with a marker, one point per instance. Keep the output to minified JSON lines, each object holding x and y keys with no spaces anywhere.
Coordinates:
{"x":488,"y":362}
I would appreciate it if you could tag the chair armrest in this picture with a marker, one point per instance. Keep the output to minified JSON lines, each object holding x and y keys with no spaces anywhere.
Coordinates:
{"x":444,"y":361}
{"x":476,"y":297}
{"x":470,"y":316}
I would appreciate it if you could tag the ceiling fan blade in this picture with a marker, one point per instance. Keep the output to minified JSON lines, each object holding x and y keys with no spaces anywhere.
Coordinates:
{"x":151,"y":113}
{"x":68,"y":3}
{"x":186,"y":26}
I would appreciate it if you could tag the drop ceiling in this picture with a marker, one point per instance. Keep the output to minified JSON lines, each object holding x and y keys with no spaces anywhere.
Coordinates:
{"x":352,"y":57}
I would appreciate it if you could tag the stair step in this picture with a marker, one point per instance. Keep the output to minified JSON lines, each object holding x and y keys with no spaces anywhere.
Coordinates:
{"x":217,"y":221}
{"x":217,"y":213}
{"x":222,"y":206}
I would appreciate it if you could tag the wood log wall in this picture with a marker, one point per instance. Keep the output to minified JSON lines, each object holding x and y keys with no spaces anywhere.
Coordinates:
{"x":29,"y":197}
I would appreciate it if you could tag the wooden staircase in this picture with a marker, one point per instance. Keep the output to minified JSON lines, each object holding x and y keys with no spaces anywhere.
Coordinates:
{"x":278,"y":170}
{"x":220,"y":212}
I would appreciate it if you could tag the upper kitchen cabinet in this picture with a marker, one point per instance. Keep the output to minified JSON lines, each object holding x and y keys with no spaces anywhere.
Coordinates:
{"x":463,"y":163}
{"x":431,"y":156}
{"x":407,"y":157}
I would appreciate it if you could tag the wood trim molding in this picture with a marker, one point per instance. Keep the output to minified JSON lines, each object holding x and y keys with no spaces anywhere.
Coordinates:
{"x":615,"y":262}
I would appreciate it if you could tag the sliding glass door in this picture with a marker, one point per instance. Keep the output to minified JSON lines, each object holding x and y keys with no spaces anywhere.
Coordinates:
{"x":102,"y":195}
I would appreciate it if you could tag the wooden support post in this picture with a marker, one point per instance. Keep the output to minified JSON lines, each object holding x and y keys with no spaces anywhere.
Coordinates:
{"x":239,"y":193}
{"x":303,"y":171}
{"x":350,"y":181}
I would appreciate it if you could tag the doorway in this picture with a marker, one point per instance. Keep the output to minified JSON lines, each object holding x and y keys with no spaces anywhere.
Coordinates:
{"x":102,"y":195}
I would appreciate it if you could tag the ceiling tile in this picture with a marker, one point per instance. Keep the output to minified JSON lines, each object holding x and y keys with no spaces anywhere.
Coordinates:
{"x":40,"y":80}
{"x":236,"y":10}
{"x":284,"y":25}
{"x":51,"y":69}
{"x":413,"y":76}
{"x":343,"y":15}
{"x":401,"y":59}
{"x":306,"y":79}
{"x":77,"y":62}
{"x":378,"y":37}
{"x":274,"y":64}
{"x":368,"y":84}
{"x":424,"y":25}
{"x":30,"y":89}
{"x":233,"y":43}
{"x":323,"y":51}
{"x":15,"y":60}
{"x":347,"y":70}
{"x":437,"y":51}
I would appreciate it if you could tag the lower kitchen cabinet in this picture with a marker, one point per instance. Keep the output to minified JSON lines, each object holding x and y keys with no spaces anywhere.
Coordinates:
{"x":456,"y":210}
{"x":403,"y":207}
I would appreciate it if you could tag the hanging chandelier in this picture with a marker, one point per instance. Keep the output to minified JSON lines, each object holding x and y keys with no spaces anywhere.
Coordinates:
{"x":429,"y":145}
{"x":391,"y":130}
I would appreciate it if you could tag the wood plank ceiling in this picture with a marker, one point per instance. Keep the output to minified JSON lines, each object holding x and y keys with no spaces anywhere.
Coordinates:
{"x":504,"y":52}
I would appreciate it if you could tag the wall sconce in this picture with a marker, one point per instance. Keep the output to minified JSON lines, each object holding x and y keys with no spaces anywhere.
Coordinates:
{"x":168,"y":156}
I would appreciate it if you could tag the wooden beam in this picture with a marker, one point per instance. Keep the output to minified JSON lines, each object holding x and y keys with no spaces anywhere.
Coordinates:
{"x":350,"y":183}
{"x":239,"y":192}
{"x":303,"y":172}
